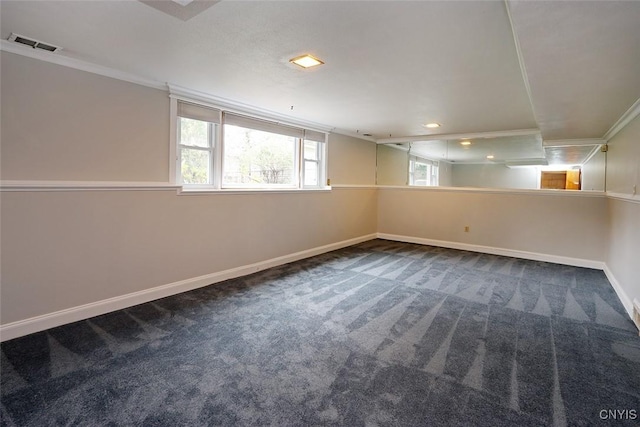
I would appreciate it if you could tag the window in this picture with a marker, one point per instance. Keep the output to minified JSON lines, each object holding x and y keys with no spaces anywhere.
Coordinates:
{"x":197,"y":130}
{"x":224,"y":150}
{"x":259,"y":154}
{"x":423,"y":172}
{"x":312,"y":157}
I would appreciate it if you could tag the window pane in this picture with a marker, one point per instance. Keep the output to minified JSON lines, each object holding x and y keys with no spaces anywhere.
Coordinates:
{"x":195,"y":166}
{"x":311,"y":150}
{"x":420,"y":174}
{"x":310,"y":173}
{"x":253,"y":157}
{"x":194,"y":132}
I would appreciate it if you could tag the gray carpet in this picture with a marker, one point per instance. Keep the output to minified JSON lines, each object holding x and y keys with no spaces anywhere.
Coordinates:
{"x":381,"y":333}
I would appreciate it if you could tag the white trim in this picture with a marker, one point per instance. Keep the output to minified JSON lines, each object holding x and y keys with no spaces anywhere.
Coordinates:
{"x":624,"y":120}
{"x":173,"y":141}
{"x":595,"y":151}
{"x":437,"y":137}
{"x":231,"y":106}
{"x":78,"y":64}
{"x":505,"y":191}
{"x":352,"y":134}
{"x":622,"y":295}
{"x":19,"y":185}
{"x":74,"y":314}
{"x":534,"y":256}
{"x":353,"y":186}
{"x":547,"y":143}
{"x":174,"y":90}
{"x":633,"y":198}
{"x":204,"y":190}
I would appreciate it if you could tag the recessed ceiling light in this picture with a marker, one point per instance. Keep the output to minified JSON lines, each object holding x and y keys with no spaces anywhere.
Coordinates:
{"x":306,"y":61}
{"x":490,"y":156}
{"x":432,"y":125}
{"x":465,"y":143}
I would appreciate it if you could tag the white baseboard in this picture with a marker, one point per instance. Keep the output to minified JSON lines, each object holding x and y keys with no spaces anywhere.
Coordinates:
{"x":622,"y":295}
{"x":74,"y":314}
{"x":535,"y":256}
{"x":576,"y":262}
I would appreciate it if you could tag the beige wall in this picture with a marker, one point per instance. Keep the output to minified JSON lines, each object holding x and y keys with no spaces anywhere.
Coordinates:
{"x":593,"y":172}
{"x":494,"y":176}
{"x":392,"y":166}
{"x":445,"y":174}
{"x":63,"y":249}
{"x":623,"y":160}
{"x":623,"y":244}
{"x":351,"y":160}
{"x":69,"y":125}
{"x":561,"y":225}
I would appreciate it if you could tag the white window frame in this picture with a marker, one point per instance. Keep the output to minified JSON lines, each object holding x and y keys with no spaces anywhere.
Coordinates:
{"x":216,"y":150}
{"x":432,"y":175}
{"x":212,"y":131}
{"x":321,"y":150}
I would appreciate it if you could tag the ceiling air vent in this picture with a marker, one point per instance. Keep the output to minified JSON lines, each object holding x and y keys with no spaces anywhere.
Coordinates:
{"x":17,"y":38}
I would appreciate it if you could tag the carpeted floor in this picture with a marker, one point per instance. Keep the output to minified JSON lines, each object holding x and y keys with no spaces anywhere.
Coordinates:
{"x":381,"y":333}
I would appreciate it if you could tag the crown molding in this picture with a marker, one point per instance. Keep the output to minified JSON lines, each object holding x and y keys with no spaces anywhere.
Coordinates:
{"x":572,"y":142}
{"x":78,"y":64}
{"x":229,"y":105}
{"x":437,"y":137}
{"x":624,"y":120}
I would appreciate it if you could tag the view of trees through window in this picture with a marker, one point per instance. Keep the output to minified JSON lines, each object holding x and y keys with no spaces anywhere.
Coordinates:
{"x":196,"y":151}
{"x":222,"y":150}
{"x":254,"y":157}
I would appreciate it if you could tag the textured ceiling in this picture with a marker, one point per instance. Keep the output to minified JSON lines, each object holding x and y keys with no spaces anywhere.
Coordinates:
{"x":390,"y":66}
{"x":582,"y":60}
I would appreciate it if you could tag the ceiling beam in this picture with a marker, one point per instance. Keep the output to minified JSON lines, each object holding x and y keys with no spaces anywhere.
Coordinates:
{"x":572,"y":142}
{"x":443,"y":136}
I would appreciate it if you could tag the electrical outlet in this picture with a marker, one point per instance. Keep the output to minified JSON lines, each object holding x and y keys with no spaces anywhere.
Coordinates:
{"x":466,"y":228}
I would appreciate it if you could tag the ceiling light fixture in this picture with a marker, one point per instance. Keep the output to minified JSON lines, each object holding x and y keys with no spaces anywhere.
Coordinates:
{"x":465,"y":143}
{"x":432,"y":125}
{"x":490,"y":156}
{"x":306,"y":61}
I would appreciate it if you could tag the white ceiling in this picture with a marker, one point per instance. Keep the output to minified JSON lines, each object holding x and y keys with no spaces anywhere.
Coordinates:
{"x":389,"y":66}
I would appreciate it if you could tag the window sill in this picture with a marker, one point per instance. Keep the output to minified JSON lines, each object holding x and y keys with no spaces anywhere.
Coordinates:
{"x":191,"y":191}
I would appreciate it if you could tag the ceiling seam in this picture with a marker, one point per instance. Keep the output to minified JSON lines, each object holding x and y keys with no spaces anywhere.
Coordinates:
{"x":624,"y":120}
{"x":523,"y":69}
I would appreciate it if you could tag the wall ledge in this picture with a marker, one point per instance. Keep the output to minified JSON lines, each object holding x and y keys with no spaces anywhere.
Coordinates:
{"x":633,"y":198}
{"x":25,"y":186}
{"x":506,"y":191}
{"x":354,"y":186}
